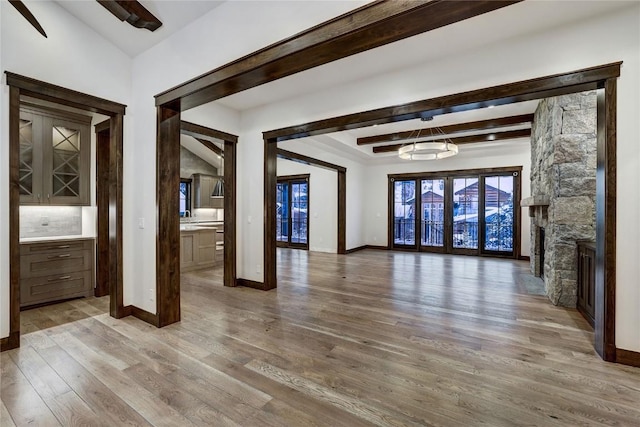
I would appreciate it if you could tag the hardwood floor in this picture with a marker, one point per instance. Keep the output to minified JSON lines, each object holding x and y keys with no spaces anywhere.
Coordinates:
{"x":371,"y":338}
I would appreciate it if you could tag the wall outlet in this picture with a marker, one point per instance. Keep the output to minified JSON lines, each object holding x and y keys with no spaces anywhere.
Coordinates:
{"x":258,"y":268}
{"x":375,"y":239}
{"x":249,"y":219}
{"x":44,"y":220}
{"x":152,"y":296}
{"x":141,"y":223}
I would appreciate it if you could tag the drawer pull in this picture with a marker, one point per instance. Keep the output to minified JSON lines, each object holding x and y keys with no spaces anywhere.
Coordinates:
{"x":59,"y":278}
{"x":60,"y":256}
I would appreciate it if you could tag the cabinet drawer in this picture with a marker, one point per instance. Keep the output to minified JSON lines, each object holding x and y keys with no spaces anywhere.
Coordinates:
{"x":56,"y":287}
{"x":49,"y":247}
{"x":59,"y":262}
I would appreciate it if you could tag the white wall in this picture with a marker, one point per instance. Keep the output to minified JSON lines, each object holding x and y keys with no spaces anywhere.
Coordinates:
{"x":206,"y":44}
{"x":228,"y":32}
{"x":323,"y":204}
{"x":604,"y":39}
{"x":73,"y":56}
{"x":515,"y":153}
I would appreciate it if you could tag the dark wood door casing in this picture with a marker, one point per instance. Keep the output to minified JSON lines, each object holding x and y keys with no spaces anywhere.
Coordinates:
{"x":26,"y":86}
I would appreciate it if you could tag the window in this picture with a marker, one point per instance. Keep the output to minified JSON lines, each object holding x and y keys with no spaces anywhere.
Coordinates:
{"x":470,"y":212}
{"x":185,"y":196}
{"x":292,"y":207}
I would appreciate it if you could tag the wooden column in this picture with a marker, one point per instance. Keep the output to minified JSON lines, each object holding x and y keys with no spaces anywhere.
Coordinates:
{"x":342,"y":212}
{"x":116,"y":305}
{"x":270,"y":183}
{"x":230,"y":213}
{"x":168,"y":235}
{"x":605,"y":294}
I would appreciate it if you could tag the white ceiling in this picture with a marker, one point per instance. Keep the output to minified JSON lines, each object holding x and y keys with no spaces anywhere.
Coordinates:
{"x":173,"y":14}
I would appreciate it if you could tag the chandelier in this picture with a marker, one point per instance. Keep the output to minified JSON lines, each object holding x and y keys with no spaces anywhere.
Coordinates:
{"x":428,"y":150}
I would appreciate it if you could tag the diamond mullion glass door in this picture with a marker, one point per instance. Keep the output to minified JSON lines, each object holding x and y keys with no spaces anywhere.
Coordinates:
{"x":69,"y":163}
{"x":30,"y":169}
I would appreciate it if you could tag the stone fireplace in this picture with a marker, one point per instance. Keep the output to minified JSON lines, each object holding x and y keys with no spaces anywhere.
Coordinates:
{"x":563,"y":185}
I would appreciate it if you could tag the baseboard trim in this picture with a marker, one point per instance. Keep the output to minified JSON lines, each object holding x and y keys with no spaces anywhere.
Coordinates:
{"x":138,"y":313}
{"x":253,"y":284}
{"x":628,"y":357}
{"x":359,"y":248}
{"x":524,"y":258}
{"x":10,"y":342}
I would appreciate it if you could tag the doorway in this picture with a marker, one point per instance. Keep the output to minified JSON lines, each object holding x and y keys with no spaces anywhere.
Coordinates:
{"x":20,"y":87}
{"x":292,"y":208}
{"x":473,"y":212}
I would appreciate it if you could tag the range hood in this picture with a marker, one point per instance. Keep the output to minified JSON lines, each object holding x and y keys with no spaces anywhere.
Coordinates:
{"x":218,"y":189}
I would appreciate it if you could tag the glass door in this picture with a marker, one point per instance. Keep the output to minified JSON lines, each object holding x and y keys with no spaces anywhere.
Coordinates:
{"x":404,"y":218}
{"x":465,"y":214}
{"x":292,"y":207}
{"x":498,"y":215}
{"x":432,"y":225}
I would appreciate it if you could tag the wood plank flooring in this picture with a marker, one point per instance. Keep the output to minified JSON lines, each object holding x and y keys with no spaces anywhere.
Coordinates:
{"x":372,"y":338}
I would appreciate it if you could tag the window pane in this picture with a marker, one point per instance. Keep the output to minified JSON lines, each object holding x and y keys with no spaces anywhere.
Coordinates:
{"x":404,"y":212}
{"x":498,"y":213}
{"x":299,"y":202}
{"x":465,"y":213}
{"x":282,"y":212}
{"x":66,"y":161}
{"x":433,"y":212}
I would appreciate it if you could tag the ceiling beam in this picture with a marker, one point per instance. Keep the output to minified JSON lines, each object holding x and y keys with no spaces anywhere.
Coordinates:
{"x":370,"y":26}
{"x":306,"y":160}
{"x":446,"y":130}
{"x":525,"y":90}
{"x":133,"y":12}
{"x":471,"y":139}
{"x":211,"y":146}
{"x":196,"y":131}
{"x":24,"y":11}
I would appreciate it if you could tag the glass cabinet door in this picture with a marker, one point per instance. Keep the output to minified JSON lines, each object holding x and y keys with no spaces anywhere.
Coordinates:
{"x":65,"y":183}
{"x":30,"y":176}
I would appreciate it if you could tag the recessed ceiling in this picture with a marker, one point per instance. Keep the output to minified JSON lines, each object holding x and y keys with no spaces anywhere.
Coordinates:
{"x":174,"y":15}
{"x":344,"y":143}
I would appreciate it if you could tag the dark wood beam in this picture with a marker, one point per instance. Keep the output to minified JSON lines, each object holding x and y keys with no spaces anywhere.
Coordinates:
{"x":133,"y":12}
{"x":370,"y":26}
{"x":211,"y":146}
{"x":306,"y":160}
{"x":196,"y":131}
{"x":525,"y":90}
{"x":447,"y":130}
{"x":24,"y":11}
{"x":63,"y":96}
{"x":471,"y":139}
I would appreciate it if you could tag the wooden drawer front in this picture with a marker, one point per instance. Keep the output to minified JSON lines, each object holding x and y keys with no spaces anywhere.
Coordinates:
{"x":58,"y":287}
{"x":60,"y":262}
{"x":52,"y":247}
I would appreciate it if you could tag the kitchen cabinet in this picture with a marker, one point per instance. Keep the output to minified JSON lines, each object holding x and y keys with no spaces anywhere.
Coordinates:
{"x":198,"y":248}
{"x":203,"y":188}
{"x":56,"y":270}
{"x":55,"y":149}
{"x":586,"y":280}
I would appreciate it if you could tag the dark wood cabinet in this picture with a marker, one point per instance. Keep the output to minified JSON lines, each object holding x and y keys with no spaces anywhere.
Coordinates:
{"x":55,"y":149}
{"x":587,"y":280}
{"x":56,"y":270}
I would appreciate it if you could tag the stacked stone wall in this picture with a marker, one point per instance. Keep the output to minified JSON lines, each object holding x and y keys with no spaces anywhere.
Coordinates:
{"x":563,"y":167}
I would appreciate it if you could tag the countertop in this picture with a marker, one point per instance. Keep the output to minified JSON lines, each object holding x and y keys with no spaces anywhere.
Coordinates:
{"x":53,"y":238}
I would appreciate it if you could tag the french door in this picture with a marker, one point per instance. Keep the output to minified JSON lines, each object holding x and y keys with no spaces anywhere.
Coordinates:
{"x":292,"y":207}
{"x":474,"y":213}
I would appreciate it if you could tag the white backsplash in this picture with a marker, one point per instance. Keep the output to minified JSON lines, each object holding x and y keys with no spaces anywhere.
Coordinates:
{"x":59,"y":220}
{"x":209,"y":214}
